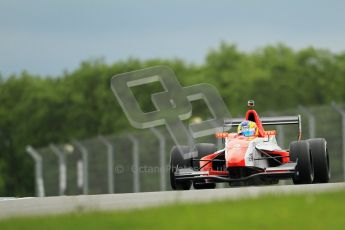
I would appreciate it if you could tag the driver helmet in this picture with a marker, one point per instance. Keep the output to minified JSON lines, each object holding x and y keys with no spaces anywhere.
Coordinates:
{"x":248,"y":129}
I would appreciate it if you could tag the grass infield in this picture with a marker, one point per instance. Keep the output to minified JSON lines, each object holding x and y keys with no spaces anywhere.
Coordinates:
{"x":309,"y":211}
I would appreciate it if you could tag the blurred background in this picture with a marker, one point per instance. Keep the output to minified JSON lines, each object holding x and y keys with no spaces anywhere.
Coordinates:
{"x":62,"y":130}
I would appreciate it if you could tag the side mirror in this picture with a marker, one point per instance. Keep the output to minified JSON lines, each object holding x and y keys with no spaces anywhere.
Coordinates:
{"x":270,"y":133}
{"x":221,"y":135}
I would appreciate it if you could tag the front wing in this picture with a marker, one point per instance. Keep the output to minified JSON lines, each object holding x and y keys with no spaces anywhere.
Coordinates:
{"x":283,"y":171}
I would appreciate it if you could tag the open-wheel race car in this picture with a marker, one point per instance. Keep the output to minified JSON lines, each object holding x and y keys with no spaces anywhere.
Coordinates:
{"x":251,"y":156}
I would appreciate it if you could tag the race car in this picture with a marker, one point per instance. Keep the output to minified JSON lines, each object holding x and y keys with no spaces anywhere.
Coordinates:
{"x":251,"y":156}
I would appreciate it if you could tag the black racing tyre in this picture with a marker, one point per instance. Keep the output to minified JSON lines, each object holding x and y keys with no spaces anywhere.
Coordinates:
{"x":319,"y":152}
{"x":203,"y":150}
{"x":300,"y":152}
{"x":177,"y":161}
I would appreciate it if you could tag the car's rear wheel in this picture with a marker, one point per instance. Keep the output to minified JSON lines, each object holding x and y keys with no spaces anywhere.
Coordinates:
{"x":203,"y":150}
{"x":319,"y":152}
{"x":177,"y":161}
{"x":300,"y":153}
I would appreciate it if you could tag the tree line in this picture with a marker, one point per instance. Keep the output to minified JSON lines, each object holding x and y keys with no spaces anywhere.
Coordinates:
{"x":39,"y":110}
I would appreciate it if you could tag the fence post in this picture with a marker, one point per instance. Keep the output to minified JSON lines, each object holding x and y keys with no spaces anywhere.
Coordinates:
{"x":62,"y":168}
{"x":162,"y":163}
{"x":342,"y":113}
{"x":311,"y":121}
{"x":219,"y":145}
{"x":85,"y":156}
{"x":135,"y":164}
{"x":110,"y":155}
{"x":38,"y":170}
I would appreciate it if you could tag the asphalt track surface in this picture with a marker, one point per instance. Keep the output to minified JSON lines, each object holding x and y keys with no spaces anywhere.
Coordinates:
{"x":11,"y":207}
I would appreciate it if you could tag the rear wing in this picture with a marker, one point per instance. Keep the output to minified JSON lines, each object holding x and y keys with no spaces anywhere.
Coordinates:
{"x":282,"y":120}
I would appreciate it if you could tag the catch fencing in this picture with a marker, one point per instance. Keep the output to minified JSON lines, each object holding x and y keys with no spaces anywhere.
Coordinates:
{"x":139,"y":161}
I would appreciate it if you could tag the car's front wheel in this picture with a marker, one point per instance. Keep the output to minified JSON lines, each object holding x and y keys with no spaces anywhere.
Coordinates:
{"x":203,"y":150}
{"x":177,"y":161}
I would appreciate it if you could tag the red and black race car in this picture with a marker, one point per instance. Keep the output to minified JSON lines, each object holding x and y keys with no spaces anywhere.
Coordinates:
{"x":251,"y":160}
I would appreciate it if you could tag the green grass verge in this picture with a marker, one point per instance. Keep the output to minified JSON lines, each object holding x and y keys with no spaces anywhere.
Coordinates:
{"x":321,"y":211}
